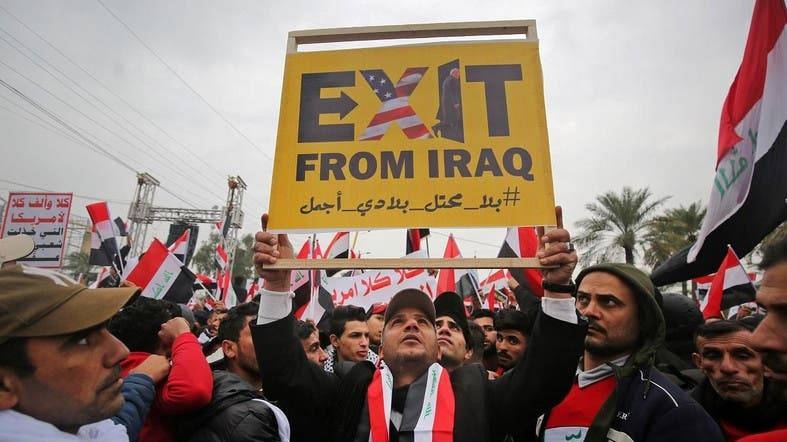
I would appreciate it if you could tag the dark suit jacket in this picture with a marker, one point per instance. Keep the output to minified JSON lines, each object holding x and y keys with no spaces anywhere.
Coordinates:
{"x":485,"y":410}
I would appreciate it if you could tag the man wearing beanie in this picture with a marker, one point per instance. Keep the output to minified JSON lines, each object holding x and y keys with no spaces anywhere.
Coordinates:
{"x":453,"y":333}
{"x":617,"y":393}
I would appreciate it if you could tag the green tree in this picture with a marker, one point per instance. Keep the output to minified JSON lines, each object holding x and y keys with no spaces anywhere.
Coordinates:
{"x":671,"y":232}
{"x":242,"y":265}
{"x":78,"y":262}
{"x":617,"y":224}
{"x":203,"y":259}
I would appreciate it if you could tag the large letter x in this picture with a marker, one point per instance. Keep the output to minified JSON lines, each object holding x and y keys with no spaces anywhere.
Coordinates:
{"x":395,"y":104}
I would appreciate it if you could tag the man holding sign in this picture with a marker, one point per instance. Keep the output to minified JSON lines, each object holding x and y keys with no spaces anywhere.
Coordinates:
{"x":411,"y":395}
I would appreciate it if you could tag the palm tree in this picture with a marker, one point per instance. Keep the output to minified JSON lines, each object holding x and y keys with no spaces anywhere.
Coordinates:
{"x":672,"y":232}
{"x":669,"y":233}
{"x":617,"y":222}
{"x":78,"y":263}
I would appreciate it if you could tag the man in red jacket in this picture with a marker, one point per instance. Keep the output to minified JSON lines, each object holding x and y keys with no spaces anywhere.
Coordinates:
{"x":148,"y":327}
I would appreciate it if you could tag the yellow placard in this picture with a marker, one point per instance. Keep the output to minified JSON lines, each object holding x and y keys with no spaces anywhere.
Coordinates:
{"x":436,"y":135}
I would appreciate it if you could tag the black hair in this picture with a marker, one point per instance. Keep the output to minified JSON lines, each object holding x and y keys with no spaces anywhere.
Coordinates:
{"x":304,"y":329}
{"x":482,"y":313}
{"x":775,"y":253}
{"x":13,"y":355}
{"x":235,"y":321}
{"x":513,"y":320}
{"x":345,"y":313}
{"x":138,"y":324}
{"x":476,"y":341}
{"x":720,"y":328}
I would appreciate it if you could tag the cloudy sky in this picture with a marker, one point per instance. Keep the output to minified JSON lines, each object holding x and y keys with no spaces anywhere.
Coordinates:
{"x":633,"y":95}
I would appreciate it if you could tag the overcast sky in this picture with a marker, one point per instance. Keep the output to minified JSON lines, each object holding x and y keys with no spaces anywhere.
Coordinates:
{"x":633,"y":95}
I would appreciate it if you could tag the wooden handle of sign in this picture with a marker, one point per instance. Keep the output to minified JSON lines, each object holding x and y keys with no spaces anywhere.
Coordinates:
{"x":407,"y":263}
{"x":526,"y":28}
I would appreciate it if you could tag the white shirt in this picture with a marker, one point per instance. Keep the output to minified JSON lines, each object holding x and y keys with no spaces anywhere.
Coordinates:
{"x":15,"y":426}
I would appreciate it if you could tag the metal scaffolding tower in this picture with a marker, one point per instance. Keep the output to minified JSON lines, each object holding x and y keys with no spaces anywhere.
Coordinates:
{"x":142,"y":213}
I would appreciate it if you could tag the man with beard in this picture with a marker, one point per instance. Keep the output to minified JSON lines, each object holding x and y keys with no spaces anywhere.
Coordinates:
{"x":512,"y":328}
{"x":734,"y":390}
{"x":238,"y":411}
{"x":410,"y":396}
{"x":770,"y":337}
{"x":617,"y":393}
{"x":486,"y":319}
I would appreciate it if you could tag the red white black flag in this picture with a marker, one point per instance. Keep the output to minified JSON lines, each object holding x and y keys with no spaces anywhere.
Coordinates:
{"x":730,"y":278}
{"x":522,"y":242}
{"x":180,"y":248}
{"x":104,"y":234}
{"x":749,"y":192}
{"x":161,"y":275}
{"x":461,"y":281}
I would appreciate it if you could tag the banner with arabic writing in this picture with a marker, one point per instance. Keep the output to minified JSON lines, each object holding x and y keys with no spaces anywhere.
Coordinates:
{"x":377,"y":286}
{"x":438,"y":135}
{"x":44,"y":217}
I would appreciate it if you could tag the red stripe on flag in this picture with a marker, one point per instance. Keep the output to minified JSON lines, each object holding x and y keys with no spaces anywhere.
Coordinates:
{"x":149,"y":264}
{"x":391,"y":115}
{"x":443,"y":427}
{"x":767,"y":23}
{"x":416,"y":131}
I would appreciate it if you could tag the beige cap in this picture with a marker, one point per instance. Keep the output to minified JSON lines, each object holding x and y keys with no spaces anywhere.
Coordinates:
{"x":15,"y":247}
{"x":39,"y":302}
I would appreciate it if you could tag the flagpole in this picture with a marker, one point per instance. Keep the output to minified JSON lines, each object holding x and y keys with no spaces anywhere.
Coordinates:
{"x":355,"y":240}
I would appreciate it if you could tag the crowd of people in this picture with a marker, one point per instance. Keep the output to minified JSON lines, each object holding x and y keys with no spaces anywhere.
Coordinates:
{"x":594,"y":359}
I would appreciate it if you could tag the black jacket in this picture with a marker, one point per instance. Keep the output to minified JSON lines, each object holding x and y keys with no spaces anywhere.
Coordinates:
{"x":320,"y":406}
{"x":769,"y":415}
{"x":233,"y":415}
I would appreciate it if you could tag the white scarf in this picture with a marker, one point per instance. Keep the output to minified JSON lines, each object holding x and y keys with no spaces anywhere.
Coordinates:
{"x":436,"y":414}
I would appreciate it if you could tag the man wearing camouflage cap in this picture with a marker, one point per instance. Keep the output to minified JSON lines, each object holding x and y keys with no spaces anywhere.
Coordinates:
{"x":59,"y":366}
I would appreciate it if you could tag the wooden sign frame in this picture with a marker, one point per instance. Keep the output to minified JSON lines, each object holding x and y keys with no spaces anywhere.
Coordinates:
{"x":525,"y":29}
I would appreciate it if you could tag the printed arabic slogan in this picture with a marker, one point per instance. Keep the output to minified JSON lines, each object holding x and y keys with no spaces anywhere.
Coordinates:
{"x":44,"y":217}
{"x":448,"y":135}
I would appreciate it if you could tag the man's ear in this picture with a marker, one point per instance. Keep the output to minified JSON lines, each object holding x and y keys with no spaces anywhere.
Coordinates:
{"x":230,"y":349}
{"x":334,"y":340}
{"x":697,"y":360}
{"x":10,"y":389}
{"x":469,"y":354}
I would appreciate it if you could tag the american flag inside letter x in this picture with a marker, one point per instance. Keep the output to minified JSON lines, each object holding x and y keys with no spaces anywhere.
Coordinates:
{"x":395,"y":104}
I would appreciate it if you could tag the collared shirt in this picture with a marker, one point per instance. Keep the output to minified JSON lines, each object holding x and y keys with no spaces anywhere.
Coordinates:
{"x":15,"y":426}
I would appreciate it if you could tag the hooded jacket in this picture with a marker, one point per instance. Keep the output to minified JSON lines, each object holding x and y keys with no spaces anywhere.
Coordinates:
{"x":188,"y":387}
{"x":645,"y":405}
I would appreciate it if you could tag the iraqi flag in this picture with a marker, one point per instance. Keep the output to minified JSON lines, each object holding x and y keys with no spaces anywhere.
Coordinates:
{"x":299,"y":278}
{"x":496,"y":280}
{"x":461,"y":281}
{"x":339,"y":248}
{"x":162,"y":276}
{"x":749,"y":193}
{"x":120,"y":227}
{"x":98,"y":256}
{"x":414,"y":237}
{"x":104,"y":230}
{"x":180,"y":247}
{"x":220,"y":257}
{"x":729,"y":280}
{"x":522,"y":242}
